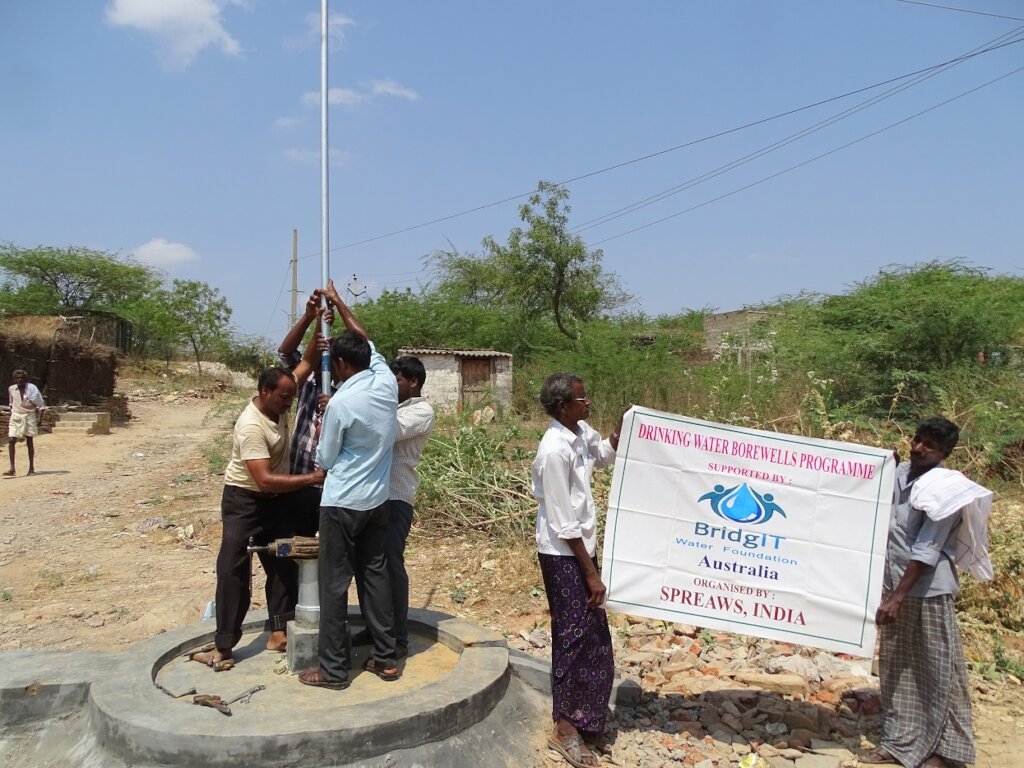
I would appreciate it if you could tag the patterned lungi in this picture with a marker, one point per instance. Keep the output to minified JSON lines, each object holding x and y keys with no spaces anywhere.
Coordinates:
{"x":23,"y":425}
{"x":582,"y":666}
{"x":925,"y":696}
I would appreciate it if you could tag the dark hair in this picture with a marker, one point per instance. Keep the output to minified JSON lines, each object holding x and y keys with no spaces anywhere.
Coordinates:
{"x":270,"y":377}
{"x":353,"y":348}
{"x":410,"y":367}
{"x":944,"y":432}
{"x":556,"y":391}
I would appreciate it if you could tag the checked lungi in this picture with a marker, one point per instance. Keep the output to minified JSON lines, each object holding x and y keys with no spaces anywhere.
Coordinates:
{"x":582,"y":665}
{"x":925,"y":695}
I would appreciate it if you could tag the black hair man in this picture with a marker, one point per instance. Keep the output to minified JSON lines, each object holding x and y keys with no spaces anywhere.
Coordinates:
{"x":25,"y":400}
{"x":356,"y":440}
{"x":259,"y":500}
{"x":415,"y":423}
{"x":925,"y":695}
{"x":310,"y":401}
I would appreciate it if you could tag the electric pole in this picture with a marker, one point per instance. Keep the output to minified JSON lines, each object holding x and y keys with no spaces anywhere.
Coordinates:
{"x":294,"y":316}
{"x":353,"y":290}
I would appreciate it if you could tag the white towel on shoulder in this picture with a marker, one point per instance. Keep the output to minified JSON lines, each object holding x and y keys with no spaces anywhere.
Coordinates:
{"x":940,"y":493}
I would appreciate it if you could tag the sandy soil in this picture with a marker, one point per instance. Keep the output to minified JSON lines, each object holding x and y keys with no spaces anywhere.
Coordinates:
{"x":114,"y":541}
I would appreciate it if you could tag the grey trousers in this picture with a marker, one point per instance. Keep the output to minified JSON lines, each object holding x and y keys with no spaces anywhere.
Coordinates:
{"x":400,"y":515}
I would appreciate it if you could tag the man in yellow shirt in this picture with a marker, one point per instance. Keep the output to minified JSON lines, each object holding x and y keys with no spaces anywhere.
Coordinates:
{"x":260,"y":500}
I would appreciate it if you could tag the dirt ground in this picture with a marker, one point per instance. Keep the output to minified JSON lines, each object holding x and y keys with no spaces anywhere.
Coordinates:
{"x":114,"y":540}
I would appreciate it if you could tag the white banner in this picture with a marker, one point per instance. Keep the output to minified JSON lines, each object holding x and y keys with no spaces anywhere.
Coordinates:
{"x":752,"y":532}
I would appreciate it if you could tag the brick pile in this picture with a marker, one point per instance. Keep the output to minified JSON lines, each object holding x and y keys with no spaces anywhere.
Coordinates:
{"x":117,"y":407}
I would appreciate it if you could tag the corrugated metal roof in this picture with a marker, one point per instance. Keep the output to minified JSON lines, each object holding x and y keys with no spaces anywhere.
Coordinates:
{"x":455,"y":352}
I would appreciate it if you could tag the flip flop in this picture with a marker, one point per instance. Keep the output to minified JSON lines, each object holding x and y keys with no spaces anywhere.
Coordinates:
{"x":315,"y":678}
{"x":388,"y":674}
{"x":572,"y":751}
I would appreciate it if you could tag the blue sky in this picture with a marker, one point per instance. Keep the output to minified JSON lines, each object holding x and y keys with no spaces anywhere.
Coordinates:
{"x":186,"y":133}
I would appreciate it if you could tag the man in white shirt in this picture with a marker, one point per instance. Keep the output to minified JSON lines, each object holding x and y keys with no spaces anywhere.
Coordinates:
{"x":25,"y":400}
{"x":582,"y":667}
{"x":415,"y":423}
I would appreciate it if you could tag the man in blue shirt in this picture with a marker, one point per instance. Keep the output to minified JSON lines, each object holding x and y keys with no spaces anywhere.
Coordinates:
{"x":356,"y":439}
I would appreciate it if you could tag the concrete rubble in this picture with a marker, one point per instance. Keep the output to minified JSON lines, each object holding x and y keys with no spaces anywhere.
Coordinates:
{"x":717,"y":700}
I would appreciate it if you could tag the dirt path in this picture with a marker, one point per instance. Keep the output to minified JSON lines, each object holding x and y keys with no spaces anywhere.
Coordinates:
{"x":76,"y":568}
{"x":114,"y":541}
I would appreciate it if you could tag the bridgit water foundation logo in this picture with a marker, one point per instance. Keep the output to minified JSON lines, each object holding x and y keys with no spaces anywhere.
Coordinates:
{"x":742,"y":504}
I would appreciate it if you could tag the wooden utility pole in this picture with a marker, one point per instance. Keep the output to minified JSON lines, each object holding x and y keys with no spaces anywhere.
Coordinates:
{"x":294,"y":316}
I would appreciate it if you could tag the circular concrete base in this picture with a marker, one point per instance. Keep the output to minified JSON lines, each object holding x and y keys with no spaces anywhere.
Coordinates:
{"x":454,"y":677}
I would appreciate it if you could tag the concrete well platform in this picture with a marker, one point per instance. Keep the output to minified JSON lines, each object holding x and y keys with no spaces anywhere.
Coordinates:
{"x":452,"y":706}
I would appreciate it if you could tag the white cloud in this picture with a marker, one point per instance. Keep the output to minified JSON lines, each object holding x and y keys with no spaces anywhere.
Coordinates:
{"x":158,"y":252}
{"x":349,"y":97}
{"x":183,"y":28}
{"x":286,"y":122}
{"x":335,"y":157}
{"x":344,"y":97}
{"x":389,"y":87}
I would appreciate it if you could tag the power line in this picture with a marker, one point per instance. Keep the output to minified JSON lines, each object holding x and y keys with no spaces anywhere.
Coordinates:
{"x":277,"y":301}
{"x":664,"y":194}
{"x":961,"y":10}
{"x":813,"y":159}
{"x":667,"y":150}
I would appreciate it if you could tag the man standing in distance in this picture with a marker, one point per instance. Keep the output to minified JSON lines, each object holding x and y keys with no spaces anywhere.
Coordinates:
{"x":260,"y":500}
{"x":25,"y":400}
{"x":415,"y":423}
{"x":355,"y":448}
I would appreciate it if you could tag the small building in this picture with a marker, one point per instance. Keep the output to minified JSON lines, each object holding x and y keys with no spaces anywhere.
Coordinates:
{"x":465,"y":379}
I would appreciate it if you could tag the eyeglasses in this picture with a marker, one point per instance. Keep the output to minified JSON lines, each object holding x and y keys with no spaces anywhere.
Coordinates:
{"x":582,"y":399}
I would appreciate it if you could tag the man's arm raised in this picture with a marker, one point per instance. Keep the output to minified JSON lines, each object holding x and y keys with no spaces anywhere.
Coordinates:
{"x":346,"y":314}
{"x":290,"y":343}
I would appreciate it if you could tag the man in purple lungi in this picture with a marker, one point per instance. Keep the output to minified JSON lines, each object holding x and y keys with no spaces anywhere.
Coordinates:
{"x":582,"y":666}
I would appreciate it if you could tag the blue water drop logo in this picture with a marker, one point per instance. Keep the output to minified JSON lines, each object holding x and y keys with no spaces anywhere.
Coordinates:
{"x":742,"y":504}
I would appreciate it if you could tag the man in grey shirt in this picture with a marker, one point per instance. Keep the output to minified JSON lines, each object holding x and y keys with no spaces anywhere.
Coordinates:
{"x":925,"y":697}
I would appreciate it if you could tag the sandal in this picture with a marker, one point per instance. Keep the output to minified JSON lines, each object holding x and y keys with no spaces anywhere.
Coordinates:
{"x":315,"y":678}
{"x":388,"y":674}
{"x":878,"y":757}
{"x":572,"y":751}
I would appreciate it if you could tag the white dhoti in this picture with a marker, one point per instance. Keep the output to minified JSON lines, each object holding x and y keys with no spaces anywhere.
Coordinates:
{"x":23,"y":425}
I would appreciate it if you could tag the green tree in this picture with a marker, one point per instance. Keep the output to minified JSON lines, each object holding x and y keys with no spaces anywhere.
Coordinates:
{"x":46,"y":280}
{"x":893,"y":331}
{"x":201,"y":316}
{"x":543,"y":271}
{"x":247,"y":354}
